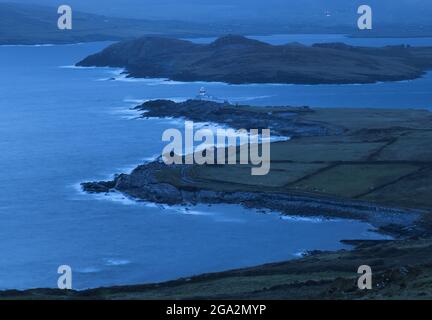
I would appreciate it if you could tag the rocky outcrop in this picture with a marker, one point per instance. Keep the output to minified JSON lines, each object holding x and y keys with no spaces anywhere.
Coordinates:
{"x":142,"y":184}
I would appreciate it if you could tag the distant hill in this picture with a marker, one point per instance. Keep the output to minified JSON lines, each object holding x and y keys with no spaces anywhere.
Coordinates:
{"x":236,"y":59}
{"x":32,"y":24}
{"x":307,"y":12}
{"x":24,"y":23}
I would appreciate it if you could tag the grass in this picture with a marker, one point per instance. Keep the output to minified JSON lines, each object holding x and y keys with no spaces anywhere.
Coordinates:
{"x":352,"y":181}
{"x":383,"y":156}
{"x":413,"y":146}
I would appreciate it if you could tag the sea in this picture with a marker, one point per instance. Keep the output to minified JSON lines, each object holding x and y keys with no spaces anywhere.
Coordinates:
{"x":61,"y":125}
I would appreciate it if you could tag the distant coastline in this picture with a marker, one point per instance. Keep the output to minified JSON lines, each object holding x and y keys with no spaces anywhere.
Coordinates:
{"x":241,"y":60}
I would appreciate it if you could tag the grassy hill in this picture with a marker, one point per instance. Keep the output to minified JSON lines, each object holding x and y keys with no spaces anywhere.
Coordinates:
{"x":32,"y":24}
{"x":236,"y":59}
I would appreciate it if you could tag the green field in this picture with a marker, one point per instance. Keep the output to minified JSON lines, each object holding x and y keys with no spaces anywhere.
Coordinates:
{"x":383,"y":156}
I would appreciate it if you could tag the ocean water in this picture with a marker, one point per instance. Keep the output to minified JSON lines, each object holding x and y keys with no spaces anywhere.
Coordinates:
{"x":61,"y":125}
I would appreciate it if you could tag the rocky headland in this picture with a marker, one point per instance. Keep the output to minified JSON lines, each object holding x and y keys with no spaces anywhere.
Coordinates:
{"x":324,"y":149}
{"x":237,"y":60}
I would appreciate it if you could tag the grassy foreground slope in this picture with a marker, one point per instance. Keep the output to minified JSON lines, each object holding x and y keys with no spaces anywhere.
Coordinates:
{"x":401,"y":270}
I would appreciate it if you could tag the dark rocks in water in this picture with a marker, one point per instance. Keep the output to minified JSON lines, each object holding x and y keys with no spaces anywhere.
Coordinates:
{"x":236,"y":59}
{"x":141,"y":184}
{"x":98,"y":187}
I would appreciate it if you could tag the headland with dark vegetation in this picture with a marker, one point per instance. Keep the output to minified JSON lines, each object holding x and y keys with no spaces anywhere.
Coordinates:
{"x":239,"y":60}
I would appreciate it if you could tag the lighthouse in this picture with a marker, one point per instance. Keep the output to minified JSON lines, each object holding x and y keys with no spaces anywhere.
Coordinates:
{"x":202,"y":94}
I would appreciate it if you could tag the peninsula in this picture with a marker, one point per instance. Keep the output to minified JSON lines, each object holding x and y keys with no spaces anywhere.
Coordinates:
{"x":238,"y":60}
{"x":367,"y":164}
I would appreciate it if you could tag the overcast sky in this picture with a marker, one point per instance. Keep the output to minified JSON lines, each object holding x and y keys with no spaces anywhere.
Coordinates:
{"x":294,"y":11}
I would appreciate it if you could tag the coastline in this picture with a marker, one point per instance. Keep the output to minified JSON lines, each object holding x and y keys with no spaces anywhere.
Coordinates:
{"x":171,"y":59}
{"x":395,"y":262}
{"x":294,"y":278}
{"x":145,"y":182}
{"x":128,"y":77}
{"x":410,"y":234}
{"x":396,"y":222}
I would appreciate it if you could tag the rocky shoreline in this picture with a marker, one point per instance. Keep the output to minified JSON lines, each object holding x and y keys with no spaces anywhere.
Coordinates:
{"x":353,"y":149}
{"x":359,"y":143}
{"x":143,"y":184}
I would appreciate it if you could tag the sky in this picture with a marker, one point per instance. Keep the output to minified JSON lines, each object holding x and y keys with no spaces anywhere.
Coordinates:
{"x":280,"y":11}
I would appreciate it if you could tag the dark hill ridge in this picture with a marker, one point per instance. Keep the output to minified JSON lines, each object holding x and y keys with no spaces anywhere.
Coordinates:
{"x":23,"y":23}
{"x":236,"y":59}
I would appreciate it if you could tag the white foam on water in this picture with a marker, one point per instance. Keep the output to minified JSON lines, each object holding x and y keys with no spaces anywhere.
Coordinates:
{"x":314,"y":219}
{"x":123,"y":199}
{"x":130,"y":113}
{"x":191,"y":212}
{"x":116,"y":262}
{"x":135,"y":101}
{"x":113,"y":72}
{"x":300,"y":253}
{"x":115,"y":196}
{"x":28,"y":45}
{"x":123,"y":77}
{"x":89,"y":270}
{"x":249,"y":98}
{"x":45,"y":44}
{"x":127,"y":113}
{"x":151,"y":159}
{"x":168,"y":82}
{"x":76,"y":67}
{"x":79,"y":191}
